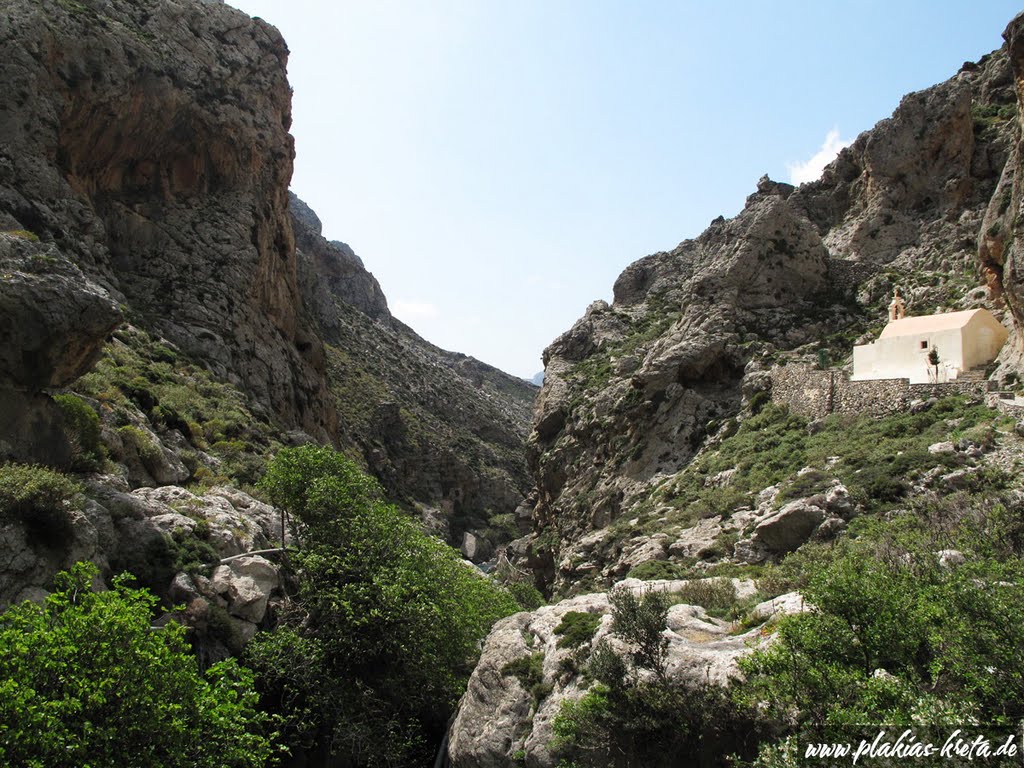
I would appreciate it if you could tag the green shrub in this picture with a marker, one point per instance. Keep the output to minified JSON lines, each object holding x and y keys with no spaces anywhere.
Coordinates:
{"x":629,"y":719}
{"x":717,"y":596}
{"x":801,"y":486}
{"x":82,"y":429}
{"x":85,"y":681}
{"x":192,"y":553}
{"x":654,"y":570}
{"x":529,"y":671}
{"x":142,"y":444}
{"x":40,"y":499}
{"x":640,"y":620}
{"x":526,"y":595}
{"x":387,"y":624}
{"x":577,"y":628}
{"x":944,"y":636}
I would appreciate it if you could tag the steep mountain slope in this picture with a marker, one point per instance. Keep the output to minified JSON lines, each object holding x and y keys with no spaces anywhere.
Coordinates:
{"x":636,"y":389}
{"x":440,"y":430}
{"x":144,"y":168}
{"x":159,"y":164}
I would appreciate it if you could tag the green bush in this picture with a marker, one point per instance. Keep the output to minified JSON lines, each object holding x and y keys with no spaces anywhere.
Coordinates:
{"x":525,"y":594}
{"x":654,"y":570}
{"x":529,"y":671}
{"x":577,"y":628}
{"x":82,"y":428}
{"x":85,"y":681}
{"x":40,"y":499}
{"x":640,"y":620}
{"x":946,"y":637}
{"x":717,"y":596}
{"x":141,"y":443}
{"x":371,"y":667}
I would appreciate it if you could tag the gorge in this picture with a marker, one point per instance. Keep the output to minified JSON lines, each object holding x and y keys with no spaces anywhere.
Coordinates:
{"x":200,"y":389}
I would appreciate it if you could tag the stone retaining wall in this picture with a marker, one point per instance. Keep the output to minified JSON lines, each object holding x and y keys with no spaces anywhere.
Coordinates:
{"x":815,"y":394}
{"x":846,"y":276}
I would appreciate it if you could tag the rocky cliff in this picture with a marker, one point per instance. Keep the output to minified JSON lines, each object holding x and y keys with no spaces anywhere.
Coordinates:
{"x":165,"y":302}
{"x":636,"y":389}
{"x":159,"y":164}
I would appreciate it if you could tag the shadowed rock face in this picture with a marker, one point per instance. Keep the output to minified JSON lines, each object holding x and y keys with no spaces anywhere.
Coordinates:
{"x":1000,"y":240}
{"x":53,"y":323}
{"x":149,"y":140}
{"x":636,"y":388}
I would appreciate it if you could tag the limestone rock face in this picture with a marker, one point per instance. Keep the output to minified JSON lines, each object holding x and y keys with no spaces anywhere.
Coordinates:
{"x":117,"y":529}
{"x":999,"y":241}
{"x":635,"y":389}
{"x":331,"y":272}
{"x":144,"y":169}
{"x":53,"y":323}
{"x":497,"y":723}
{"x":53,"y":320}
{"x":629,"y":392}
{"x":159,"y":164}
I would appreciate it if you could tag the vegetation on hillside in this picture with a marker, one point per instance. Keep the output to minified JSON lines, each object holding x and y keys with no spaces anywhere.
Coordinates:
{"x":386,"y":626}
{"x":878,"y":459}
{"x":141,"y":383}
{"x":914,"y":623}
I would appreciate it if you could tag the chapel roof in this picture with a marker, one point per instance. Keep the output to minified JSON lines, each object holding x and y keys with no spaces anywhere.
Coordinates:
{"x":915,"y":326}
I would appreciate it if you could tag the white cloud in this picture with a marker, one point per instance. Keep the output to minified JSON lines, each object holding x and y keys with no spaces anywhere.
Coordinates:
{"x":811,"y":170}
{"x":410,"y":311}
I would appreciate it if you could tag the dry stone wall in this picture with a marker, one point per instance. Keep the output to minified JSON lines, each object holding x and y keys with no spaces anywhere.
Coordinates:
{"x":815,"y":394}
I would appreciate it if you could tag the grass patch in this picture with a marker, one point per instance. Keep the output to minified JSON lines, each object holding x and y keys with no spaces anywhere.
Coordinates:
{"x":140,"y":374}
{"x":22,"y":234}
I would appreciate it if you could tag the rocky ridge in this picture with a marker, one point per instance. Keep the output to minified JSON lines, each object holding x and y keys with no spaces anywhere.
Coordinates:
{"x":442,"y":431}
{"x":637,"y":389}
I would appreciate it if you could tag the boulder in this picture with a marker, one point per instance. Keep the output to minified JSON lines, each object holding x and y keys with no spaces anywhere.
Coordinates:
{"x":788,"y":528}
{"x":246,"y":583}
{"x":497,"y":724}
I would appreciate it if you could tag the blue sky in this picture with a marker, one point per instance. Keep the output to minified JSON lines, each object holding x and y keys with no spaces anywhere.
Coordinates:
{"x":497,"y":163}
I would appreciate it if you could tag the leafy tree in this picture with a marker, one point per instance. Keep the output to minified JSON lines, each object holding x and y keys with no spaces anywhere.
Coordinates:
{"x":386,"y":626}
{"x":85,"y":681}
{"x":641,"y":621}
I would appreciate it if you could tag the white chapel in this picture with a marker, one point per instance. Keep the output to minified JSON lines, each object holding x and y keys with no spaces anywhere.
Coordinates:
{"x":960,"y":340}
